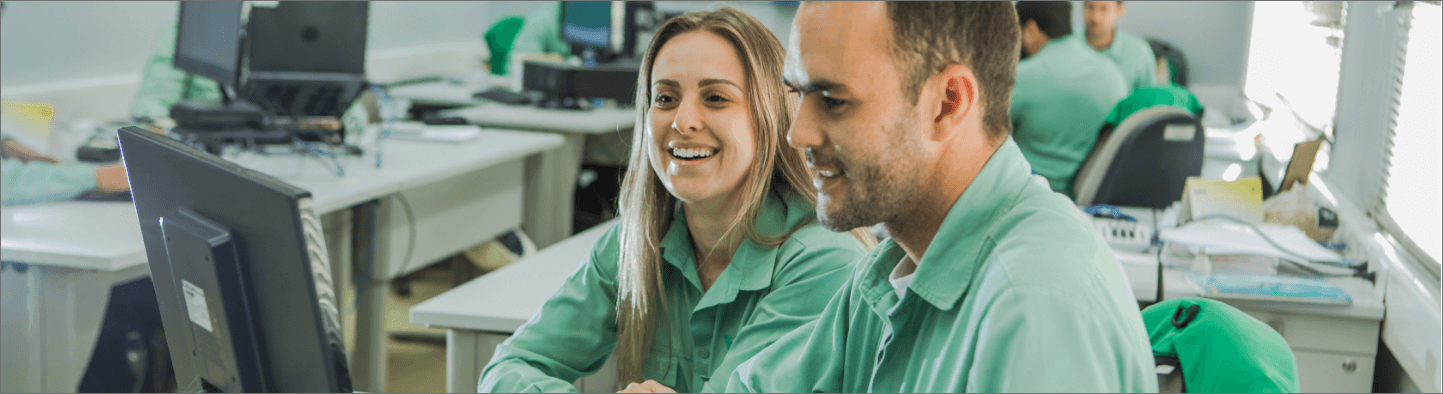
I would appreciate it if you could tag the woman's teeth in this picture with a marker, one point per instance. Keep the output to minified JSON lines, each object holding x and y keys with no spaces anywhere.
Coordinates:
{"x":688,"y":153}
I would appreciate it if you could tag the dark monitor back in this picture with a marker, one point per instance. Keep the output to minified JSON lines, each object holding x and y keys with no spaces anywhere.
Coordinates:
{"x":309,"y":36}
{"x":240,"y":271}
{"x":208,"y":40}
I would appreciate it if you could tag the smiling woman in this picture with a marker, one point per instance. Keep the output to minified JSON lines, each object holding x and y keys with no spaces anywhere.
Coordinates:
{"x":718,"y":252}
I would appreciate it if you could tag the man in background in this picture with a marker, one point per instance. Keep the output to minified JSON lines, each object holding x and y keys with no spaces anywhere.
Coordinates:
{"x":1132,"y":54}
{"x":1064,"y":90}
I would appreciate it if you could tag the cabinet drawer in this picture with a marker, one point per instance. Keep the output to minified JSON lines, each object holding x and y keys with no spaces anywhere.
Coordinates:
{"x":1323,"y":334}
{"x":1334,"y":373}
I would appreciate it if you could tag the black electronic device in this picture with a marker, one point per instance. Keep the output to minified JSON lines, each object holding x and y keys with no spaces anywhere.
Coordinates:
{"x":208,"y":41}
{"x":306,"y":58}
{"x":504,"y":96}
{"x":562,"y":83}
{"x":240,"y":271}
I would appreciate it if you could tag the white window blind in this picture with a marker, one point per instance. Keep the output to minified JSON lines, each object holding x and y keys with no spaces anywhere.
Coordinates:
{"x":1293,"y":58}
{"x":1415,"y":166}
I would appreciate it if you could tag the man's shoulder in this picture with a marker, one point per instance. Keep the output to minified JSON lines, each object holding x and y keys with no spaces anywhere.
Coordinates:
{"x":1043,"y":229}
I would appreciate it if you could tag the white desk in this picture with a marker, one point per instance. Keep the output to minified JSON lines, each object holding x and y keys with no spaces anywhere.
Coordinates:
{"x":1335,"y":345}
{"x":550,"y":220}
{"x":61,"y":260}
{"x":510,"y":296}
{"x":436,"y":199}
{"x":453,"y":196}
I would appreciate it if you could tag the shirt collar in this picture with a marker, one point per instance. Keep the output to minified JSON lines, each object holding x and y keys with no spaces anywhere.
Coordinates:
{"x":753,"y":264}
{"x":952,"y":259}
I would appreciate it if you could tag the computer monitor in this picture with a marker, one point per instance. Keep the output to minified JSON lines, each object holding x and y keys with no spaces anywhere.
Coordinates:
{"x":306,"y":58}
{"x":240,"y":271}
{"x":208,"y":42}
{"x":593,"y":24}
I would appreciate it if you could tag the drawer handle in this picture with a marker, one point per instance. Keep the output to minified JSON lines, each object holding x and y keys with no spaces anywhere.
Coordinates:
{"x":1349,"y":366}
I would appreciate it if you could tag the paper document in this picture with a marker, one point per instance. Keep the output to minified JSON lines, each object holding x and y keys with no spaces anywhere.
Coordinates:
{"x":1221,"y":238}
{"x":446,"y":133}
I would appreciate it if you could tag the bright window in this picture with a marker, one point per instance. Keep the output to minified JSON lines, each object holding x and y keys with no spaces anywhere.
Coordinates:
{"x":1412,"y":195}
{"x":1295,"y":52}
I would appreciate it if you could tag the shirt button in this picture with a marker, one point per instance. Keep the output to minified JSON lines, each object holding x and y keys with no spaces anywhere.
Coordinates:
{"x":704,"y":353}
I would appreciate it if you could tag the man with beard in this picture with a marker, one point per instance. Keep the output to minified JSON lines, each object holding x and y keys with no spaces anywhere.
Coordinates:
{"x":990,"y":282}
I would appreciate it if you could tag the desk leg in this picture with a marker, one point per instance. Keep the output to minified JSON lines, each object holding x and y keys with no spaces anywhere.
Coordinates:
{"x":368,"y":360}
{"x":52,"y":321}
{"x":461,"y":369}
{"x":551,"y":191}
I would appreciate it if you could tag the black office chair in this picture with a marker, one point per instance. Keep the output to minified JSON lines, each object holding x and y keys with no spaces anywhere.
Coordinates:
{"x":1174,"y":56}
{"x":1144,"y":162}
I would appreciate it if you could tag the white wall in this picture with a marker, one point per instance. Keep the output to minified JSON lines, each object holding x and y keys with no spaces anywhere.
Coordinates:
{"x":1212,"y":34}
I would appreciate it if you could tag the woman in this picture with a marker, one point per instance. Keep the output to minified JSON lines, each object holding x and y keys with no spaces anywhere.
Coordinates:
{"x":717,"y":253}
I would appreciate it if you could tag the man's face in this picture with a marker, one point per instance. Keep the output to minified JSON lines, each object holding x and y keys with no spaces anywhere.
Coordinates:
{"x":1101,"y":16}
{"x":861,"y":135}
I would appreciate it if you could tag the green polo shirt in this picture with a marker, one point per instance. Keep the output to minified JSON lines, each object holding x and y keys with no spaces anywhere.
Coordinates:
{"x":1015,"y":293}
{"x":766,"y":292}
{"x":1062,"y":94}
{"x":1133,"y":57}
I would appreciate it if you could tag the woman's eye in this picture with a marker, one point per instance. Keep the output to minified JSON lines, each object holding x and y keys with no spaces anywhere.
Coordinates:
{"x":714,"y":98}
{"x":663,"y":99}
{"x":832,"y":103}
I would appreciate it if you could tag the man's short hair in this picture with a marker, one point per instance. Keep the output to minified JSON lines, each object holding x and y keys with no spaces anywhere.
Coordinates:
{"x":930,"y":36}
{"x":1053,"y":17}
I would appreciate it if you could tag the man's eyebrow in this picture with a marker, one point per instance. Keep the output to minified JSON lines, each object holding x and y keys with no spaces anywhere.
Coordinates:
{"x":816,"y":85}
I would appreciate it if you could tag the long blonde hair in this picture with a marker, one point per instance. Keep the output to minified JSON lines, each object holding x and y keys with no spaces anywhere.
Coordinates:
{"x":646,"y":207}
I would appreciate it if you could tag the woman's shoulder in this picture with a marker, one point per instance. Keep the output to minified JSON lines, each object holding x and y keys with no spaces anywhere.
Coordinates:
{"x":812,"y":241}
{"x":606,"y":252}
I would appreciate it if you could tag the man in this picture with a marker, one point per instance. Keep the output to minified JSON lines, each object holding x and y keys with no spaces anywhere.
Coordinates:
{"x":1063,"y":92}
{"x":990,"y":281}
{"x":30,"y":177}
{"x":1132,"y":54}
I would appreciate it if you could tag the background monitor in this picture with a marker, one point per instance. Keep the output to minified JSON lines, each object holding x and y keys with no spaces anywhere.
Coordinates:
{"x":594,"y":24}
{"x":306,"y":58}
{"x":240,"y":271}
{"x":207,"y":42}
{"x":309,"y":36}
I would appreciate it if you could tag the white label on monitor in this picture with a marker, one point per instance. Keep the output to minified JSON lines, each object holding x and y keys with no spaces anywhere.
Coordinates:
{"x":1178,"y":132}
{"x":195,"y":305}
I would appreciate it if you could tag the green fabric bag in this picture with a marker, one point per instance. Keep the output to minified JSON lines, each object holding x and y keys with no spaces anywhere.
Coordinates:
{"x":1220,"y":348}
{"x":1151,"y":96}
{"x":499,"y":40}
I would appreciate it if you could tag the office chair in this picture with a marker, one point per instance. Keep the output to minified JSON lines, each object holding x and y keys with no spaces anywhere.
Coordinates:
{"x":1175,"y":59}
{"x":1144,"y":162}
{"x":1217,"y":348}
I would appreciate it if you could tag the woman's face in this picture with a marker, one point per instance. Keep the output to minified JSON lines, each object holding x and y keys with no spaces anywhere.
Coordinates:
{"x":699,"y":124}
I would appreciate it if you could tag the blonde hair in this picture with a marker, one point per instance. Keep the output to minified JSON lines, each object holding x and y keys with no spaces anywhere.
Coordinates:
{"x":646,"y":207}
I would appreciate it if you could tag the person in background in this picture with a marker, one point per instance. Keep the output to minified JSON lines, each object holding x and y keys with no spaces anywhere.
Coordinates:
{"x":717,"y":252}
{"x":1063,"y":92}
{"x":1132,"y":54}
{"x":30,"y":177}
{"x":541,"y":33}
{"x":990,"y":282}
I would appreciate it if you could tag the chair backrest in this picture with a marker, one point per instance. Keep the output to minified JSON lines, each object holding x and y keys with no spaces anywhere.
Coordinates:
{"x":1145,"y":162}
{"x":1219,"y":348}
{"x":1175,"y":59}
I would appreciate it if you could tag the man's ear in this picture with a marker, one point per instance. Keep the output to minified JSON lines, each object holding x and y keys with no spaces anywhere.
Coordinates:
{"x":958,"y":96}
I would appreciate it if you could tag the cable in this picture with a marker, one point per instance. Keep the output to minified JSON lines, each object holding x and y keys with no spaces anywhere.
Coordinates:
{"x":411,"y":222}
{"x":340,"y":170}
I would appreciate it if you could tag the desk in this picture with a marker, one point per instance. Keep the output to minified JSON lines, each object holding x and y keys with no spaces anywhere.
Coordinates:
{"x":436,"y":199}
{"x":1335,"y":345}
{"x":454,"y":196}
{"x":482,"y":313}
{"x":61,"y":259}
{"x":550,"y":219}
